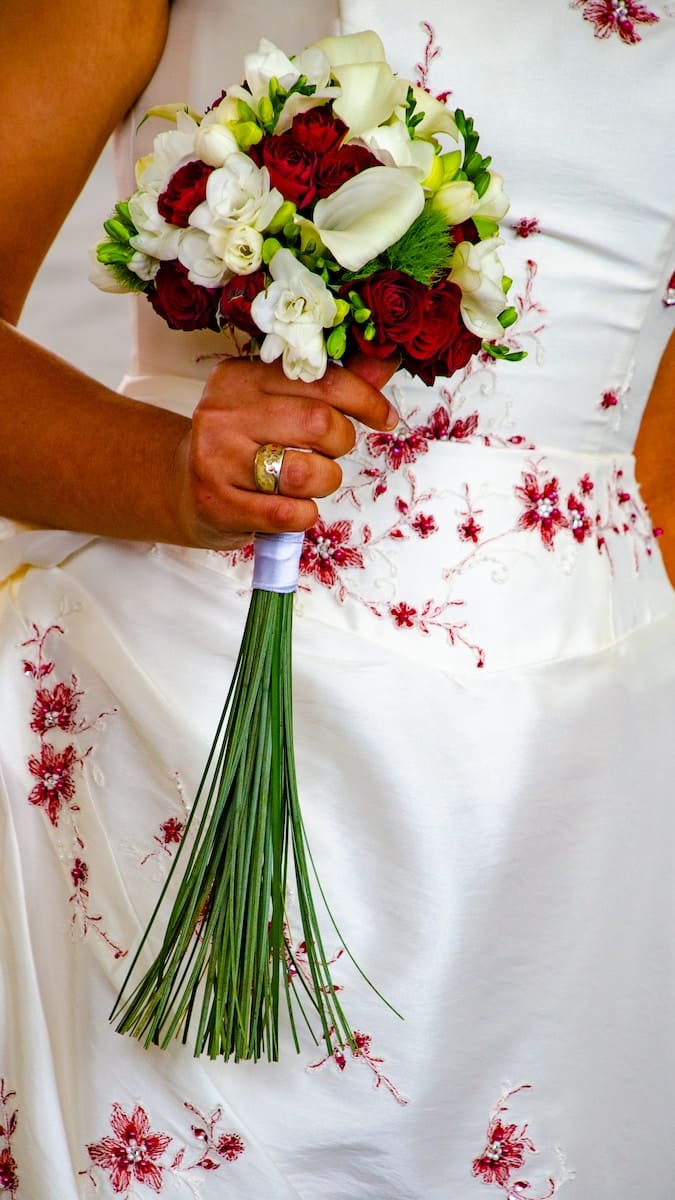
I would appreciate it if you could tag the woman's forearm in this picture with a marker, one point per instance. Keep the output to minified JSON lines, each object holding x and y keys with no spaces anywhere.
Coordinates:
{"x":655,"y":455}
{"x":75,"y":455}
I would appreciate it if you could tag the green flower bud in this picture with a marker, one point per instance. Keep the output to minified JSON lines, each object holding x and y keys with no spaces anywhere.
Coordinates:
{"x":343,"y":310}
{"x":122,"y":210}
{"x":275,"y":89}
{"x":451,"y":163}
{"x":114,"y":252}
{"x":369,"y":332}
{"x":282,"y":217}
{"x":269,"y":249}
{"x":506,"y":283}
{"x":117,"y":230}
{"x":291,"y":231}
{"x":247,"y":134}
{"x":361,"y":315}
{"x":266,"y":110}
{"x":245,"y":111}
{"x":336,"y":342}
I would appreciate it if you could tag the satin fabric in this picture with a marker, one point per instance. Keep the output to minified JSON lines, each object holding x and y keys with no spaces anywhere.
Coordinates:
{"x":484,"y":687}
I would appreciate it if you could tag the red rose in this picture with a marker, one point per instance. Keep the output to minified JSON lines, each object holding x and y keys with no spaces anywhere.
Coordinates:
{"x":337,"y":166}
{"x":466,"y":232}
{"x":443,"y":344}
{"x":318,"y":130}
{"x":290,"y":164}
{"x":236,"y":299}
{"x":182,"y":304}
{"x":184,"y":191}
{"x":396,"y":303}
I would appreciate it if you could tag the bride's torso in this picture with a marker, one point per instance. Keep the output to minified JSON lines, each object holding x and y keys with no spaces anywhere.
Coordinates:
{"x":515,"y":473}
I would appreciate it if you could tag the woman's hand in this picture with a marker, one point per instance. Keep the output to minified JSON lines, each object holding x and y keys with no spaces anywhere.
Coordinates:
{"x":248,"y":403}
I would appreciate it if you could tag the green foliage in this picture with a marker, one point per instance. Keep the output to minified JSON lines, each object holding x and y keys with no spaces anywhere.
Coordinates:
{"x":425,"y":250}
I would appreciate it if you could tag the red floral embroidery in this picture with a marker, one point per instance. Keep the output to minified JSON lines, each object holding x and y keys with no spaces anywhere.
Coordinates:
{"x":54,"y":773}
{"x":617,"y":16}
{"x":539,"y":494}
{"x":136,"y":1154}
{"x":171,"y":830}
{"x":133,"y":1152}
{"x":54,"y":713}
{"x":610,"y":399}
{"x":669,"y":294}
{"x":508,"y":1145}
{"x":398,"y":448}
{"x":579,"y":521}
{"x":9,"y":1177}
{"x":423,"y":68}
{"x":526,"y":227}
{"x":326,"y":548}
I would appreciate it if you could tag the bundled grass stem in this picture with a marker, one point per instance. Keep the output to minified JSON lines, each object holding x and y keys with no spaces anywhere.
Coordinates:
{"x":226,"y":957}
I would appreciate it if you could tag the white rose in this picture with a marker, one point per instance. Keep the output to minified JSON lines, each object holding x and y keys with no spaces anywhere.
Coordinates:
{"x":478,"y":272}
{"x":204,"y":266}
{"x":237,"y":193}
{"x":293,"y":312}
{"x":240,"y":248}
{"x":155,"y":237}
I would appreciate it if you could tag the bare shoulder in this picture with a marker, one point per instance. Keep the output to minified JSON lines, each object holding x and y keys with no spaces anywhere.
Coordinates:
{"x":69,"y":70}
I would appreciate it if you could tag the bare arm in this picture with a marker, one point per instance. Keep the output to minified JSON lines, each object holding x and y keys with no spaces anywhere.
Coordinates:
{"x":655,"y":454}
{"x":73,"y":453}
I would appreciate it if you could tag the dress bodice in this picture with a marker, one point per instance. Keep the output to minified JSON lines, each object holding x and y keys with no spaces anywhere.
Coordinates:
{"x":510,"y":474}
{"x":579,"y":127}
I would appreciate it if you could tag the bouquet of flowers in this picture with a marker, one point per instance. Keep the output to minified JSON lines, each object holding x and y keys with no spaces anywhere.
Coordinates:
{"x":322,"y":206}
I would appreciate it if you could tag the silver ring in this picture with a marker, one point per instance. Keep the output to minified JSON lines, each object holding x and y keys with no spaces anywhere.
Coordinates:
{"x":267,"y":463}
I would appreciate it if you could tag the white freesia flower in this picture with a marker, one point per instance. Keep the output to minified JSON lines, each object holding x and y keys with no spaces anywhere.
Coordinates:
{"x":366,"y":215}
{"x":457,"y":201}
{"x":155,"y":237}
{"x":478,"y":272}
{"x":214,"y":142}
{"x":494,"y":204}
{"x":102,"y":277}
{"x":171,"y":149}
{"x":238,"y":193}
{"x":293,"y":312}
{"x":204,"y":267}
{"x":144,"y":266}
{"x":270,"y":62}
{"x":240,"y":248}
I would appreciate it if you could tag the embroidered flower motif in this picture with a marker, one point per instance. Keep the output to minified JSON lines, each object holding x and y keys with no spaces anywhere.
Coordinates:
{"x":79,"y":874}
{"x":9,"y":1178}
{"x":617,"y":16}
{"x":172,"y":831}
{"x":326,"y":548}
{"x":56,"y":709}
{"x":398,"y":448}
{"x":403,"y":615}
{"x":542,"y":511}
{"x":424,"y":525}
{"x":526,"y":227}
{"x":54,"y":773}
{"x":136,"y":1155}
{"x":470,"y":530}
{"x":505,"y":1150}
{"x":360,"y":1051}
{"x":610,"y":399}
{"x":669,"y":294}
{"x":579,"y":521}
{"x":133,"y":1152}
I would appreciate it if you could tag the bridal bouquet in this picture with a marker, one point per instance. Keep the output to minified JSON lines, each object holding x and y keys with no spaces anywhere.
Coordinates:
{"x":322,"y":206}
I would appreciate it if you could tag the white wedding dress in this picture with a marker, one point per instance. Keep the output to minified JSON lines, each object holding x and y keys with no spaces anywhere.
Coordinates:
{"x":484,"y":695}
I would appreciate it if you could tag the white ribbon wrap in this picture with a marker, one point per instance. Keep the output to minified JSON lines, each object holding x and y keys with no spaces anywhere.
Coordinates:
{"x":276,"y":564}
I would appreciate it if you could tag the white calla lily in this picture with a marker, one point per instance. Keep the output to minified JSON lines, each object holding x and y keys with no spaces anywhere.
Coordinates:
{"x":362,"y":47}
{"x":369,"y":89}
{"x":436,"y":117}
{"x":366,"y":215}
{"x":393,"y":146}
{"x":478,"y":272}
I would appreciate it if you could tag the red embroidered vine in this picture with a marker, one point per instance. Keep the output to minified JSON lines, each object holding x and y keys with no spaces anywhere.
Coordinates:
{"x":9,"y":1178}
{"x":55,"y":713}
{"x":361,"y":1051}
{"x":617,"y":16}
{"x":423,"y":68}
{"x":137,"y":1154}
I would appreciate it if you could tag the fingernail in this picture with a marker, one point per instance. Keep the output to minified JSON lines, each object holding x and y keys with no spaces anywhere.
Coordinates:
{"x":393,"y":418}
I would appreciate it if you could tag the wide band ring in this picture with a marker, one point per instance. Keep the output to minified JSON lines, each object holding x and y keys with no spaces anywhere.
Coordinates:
{"x":267,"y":463}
